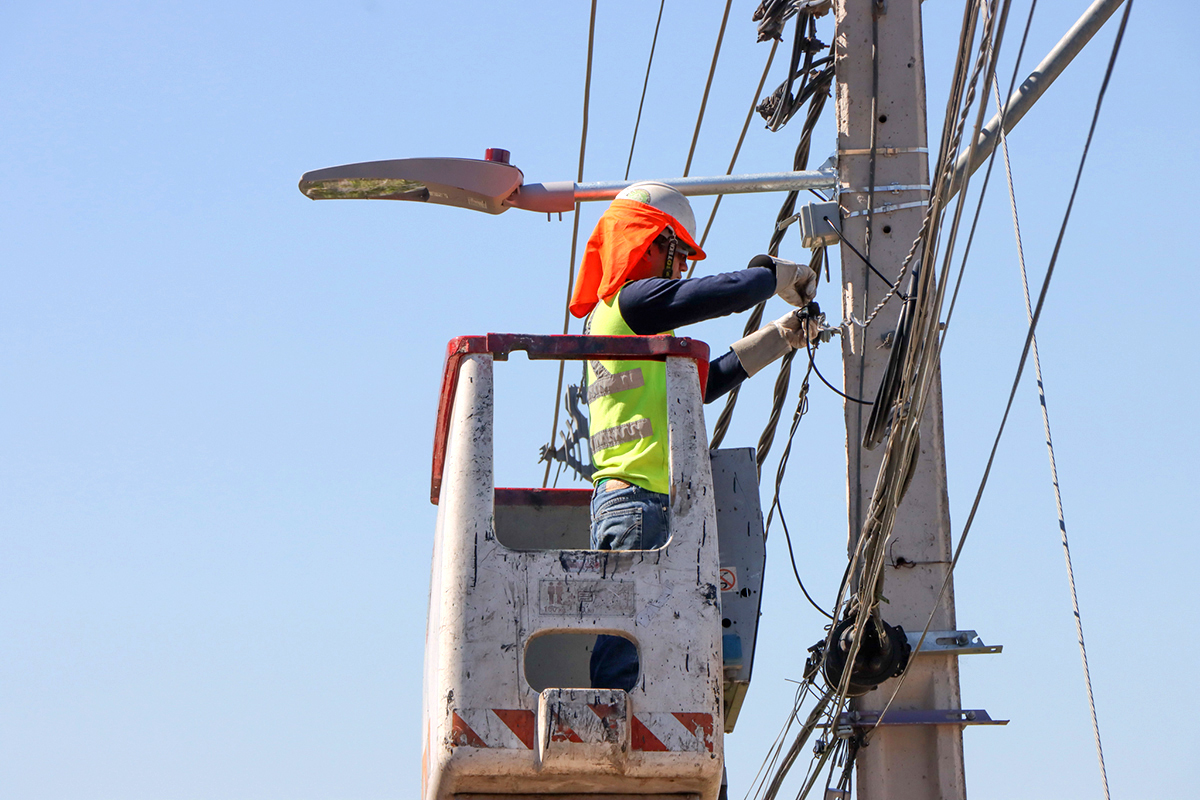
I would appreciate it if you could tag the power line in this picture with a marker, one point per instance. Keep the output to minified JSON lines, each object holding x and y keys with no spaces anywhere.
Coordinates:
{"x":914,"y":359}
{"x":587,"y":95}
{"x":707,"y":85}
{"x":645,"y":83}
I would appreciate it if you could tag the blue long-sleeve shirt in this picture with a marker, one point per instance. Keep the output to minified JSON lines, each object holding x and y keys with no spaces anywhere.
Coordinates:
{"x":655,"y":305}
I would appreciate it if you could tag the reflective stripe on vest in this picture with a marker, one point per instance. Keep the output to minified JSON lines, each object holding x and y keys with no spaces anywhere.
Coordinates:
{"x":608,"y":383}
{"x":627,"y":409}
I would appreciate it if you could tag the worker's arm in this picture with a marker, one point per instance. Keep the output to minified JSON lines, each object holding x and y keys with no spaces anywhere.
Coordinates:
{"x":654,"y":305}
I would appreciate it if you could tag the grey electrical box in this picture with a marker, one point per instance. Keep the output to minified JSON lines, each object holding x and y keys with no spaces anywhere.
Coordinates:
{"x":743,"y":559}
{"x":814,"y":230}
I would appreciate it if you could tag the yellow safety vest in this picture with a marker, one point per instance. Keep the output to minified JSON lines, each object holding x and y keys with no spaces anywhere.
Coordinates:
{"x":627,"y":410}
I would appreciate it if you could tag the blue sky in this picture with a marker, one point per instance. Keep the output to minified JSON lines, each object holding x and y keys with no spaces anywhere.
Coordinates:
{"x":218,"y":396}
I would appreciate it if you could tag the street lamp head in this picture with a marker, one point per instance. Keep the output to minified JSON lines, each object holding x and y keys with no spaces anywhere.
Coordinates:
{"x":481,"y":185}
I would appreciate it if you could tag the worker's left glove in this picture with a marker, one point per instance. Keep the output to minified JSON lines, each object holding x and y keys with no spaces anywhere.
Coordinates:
{"x":770,"y":342}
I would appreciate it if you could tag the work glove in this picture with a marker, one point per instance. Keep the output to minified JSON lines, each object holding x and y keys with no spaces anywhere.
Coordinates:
{"x":771,"y":341}
{"x":795,"y":283}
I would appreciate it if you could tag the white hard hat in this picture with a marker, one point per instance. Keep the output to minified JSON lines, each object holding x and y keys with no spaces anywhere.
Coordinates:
{"x":666,"y":199}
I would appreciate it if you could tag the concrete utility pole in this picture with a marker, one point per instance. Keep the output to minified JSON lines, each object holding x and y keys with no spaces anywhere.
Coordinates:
{"x":881,"y":86}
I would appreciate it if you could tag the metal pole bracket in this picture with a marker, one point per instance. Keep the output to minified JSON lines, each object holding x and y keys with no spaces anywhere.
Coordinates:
{"x":959,"y":643}
{"x":851,"y":720}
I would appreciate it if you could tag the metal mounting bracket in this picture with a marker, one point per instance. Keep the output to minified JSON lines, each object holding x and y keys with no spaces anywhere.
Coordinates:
{"x":849,"y":720}
{"x":959,"y":643}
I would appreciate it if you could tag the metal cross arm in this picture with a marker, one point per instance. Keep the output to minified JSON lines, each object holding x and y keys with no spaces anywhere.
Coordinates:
{"x":493,"y":185}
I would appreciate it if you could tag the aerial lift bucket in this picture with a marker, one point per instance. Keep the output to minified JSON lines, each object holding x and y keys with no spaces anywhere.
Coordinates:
{"x":504,"y":715}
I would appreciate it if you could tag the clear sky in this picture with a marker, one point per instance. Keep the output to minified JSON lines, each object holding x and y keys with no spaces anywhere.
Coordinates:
{"x":218,"y":396}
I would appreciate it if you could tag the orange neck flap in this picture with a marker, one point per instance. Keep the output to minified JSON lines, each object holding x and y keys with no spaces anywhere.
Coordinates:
{"x":616,"y":250}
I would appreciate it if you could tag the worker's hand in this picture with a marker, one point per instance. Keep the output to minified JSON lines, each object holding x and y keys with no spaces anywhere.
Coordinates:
{"x":792,"y":328}
{"x":795,"y":283}
{"x":801,"y":287}
{"x":797,"y":329}
{"x":772,"y":341}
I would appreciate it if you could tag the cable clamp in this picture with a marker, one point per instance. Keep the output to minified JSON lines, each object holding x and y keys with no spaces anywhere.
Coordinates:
{"x":883,"y":151}
{"x":887,"y":208}
{"x":890,"y":187}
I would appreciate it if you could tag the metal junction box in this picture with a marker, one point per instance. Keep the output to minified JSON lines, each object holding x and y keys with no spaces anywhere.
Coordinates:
{"x":814,"y":230}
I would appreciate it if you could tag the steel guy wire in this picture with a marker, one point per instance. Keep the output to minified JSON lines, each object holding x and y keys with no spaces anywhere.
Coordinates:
{"x":1062,"y":522}
{"x":645,"y":83}
{"x":707,"y":86}
{"x":587,"y":94}
{"x":1036,"y":315}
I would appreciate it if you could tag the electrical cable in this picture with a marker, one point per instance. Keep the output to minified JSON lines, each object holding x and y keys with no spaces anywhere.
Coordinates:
{"x":707,"y":86}
{"x":1036,"y":315}
{"x":645,"y":83}
{"x":893,"y":286}
{"x":801,"y":410}
{"x":830,"y":385}
{"x":587,"y":94}
{"x":788,"y":538}
{"x":919,"y":321}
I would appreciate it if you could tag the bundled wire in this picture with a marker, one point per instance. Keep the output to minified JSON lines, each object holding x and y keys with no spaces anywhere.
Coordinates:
{"x":816,"y":89}
{"x":906,"y":389}
{"x":907,"y":392}
{"x":772,"y":15}
{"x":782,"y":105}
{"x":1034,"y":316}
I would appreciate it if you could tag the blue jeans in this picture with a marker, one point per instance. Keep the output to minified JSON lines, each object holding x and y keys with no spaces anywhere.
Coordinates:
{"x":631,"y":518}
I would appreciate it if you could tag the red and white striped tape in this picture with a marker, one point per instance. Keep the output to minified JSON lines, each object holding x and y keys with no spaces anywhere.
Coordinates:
{"x":516,"y":728}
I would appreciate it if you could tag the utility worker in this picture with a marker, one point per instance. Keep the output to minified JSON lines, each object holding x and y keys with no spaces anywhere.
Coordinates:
{"x":630,"y":284}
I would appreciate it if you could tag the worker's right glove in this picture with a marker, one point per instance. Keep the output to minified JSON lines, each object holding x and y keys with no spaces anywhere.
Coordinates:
{"x":771,"y":342}
{"x":795,"y":283}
